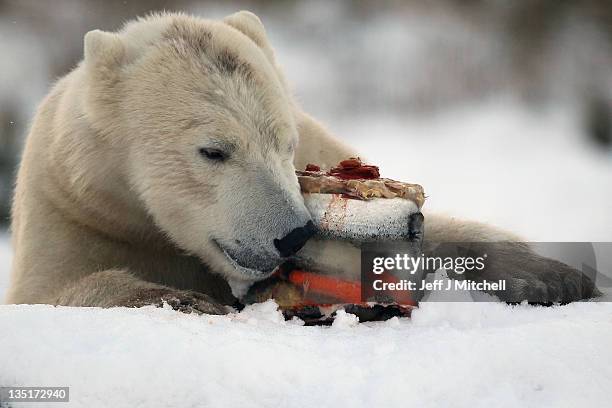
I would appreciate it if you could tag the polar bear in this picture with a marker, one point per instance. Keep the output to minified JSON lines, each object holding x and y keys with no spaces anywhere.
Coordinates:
{"x":162,"y":168}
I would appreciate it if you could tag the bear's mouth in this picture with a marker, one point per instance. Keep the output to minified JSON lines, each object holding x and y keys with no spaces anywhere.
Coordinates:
{"x":242,"y":269}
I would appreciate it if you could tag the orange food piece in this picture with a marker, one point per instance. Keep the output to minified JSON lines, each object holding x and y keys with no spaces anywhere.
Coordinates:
{"x":347,"y":292}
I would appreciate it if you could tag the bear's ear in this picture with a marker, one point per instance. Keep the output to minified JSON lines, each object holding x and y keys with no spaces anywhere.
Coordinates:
{"x":102,"y":48}
{"x":251,"y":26}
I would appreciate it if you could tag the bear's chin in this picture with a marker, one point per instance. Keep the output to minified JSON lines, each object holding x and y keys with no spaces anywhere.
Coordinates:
{"x":246,"y":272}
{"x":241,"y":278}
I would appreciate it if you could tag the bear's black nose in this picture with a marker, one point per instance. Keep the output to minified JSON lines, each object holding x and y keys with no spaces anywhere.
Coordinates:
{"x":295,"y":240}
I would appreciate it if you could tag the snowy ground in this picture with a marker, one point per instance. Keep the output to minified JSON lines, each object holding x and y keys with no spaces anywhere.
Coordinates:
{"x":496,"y":163}
{"x":460,"y":355}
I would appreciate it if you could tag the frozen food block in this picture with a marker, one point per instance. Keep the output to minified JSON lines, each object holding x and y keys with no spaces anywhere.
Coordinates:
{"x":351,"y":206}
{"x":352,"y":202}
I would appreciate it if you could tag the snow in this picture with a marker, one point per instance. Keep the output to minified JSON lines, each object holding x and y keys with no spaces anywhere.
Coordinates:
{"x":447,"y":355}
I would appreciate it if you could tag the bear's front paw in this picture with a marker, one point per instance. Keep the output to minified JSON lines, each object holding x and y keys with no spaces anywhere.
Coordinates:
{"x":547,"y":281}
{"x":189,"y":301}
{"x":186,"y":301}
{"x":534,"y":278}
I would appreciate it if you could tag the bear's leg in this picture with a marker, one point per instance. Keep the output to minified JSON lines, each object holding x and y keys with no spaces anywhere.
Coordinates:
{"x":117,"y":287}
{"x":528,"y":275}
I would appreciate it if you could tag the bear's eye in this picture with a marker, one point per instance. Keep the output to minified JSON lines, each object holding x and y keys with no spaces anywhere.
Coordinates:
{"x":212,"y":154}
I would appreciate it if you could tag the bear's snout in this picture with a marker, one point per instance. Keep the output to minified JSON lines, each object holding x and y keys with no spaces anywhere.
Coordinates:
{"x":295,"y":240}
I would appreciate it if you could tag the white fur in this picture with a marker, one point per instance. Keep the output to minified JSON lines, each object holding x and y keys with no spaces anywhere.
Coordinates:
{"x":114,"y":204}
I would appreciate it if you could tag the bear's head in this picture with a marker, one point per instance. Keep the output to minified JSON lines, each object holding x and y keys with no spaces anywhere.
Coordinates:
{"x":208,"y":126}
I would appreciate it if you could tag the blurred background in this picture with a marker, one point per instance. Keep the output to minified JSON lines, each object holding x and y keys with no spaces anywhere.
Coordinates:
{"x":500,"y":109}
